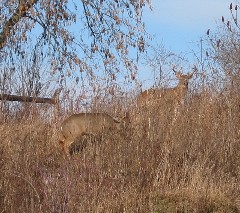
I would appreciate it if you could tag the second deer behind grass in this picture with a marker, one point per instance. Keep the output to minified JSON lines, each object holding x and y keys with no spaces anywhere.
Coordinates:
{"x":177,"y":94}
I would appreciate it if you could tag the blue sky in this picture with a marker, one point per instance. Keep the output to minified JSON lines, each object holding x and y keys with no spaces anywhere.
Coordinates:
{"x":180,"y":24}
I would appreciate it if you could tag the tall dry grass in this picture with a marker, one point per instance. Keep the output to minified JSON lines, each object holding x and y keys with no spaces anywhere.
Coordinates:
{"x":163,"y":162}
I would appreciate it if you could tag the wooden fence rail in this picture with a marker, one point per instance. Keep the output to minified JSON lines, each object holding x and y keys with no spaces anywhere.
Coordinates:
{"x":54,"y":101}
{"x":28,"y":99}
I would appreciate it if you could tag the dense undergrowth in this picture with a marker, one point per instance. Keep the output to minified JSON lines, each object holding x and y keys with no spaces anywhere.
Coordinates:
{"x":164,"y":161}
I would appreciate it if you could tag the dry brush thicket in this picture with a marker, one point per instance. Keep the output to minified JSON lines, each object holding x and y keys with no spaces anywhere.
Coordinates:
{"x":163,"y":162}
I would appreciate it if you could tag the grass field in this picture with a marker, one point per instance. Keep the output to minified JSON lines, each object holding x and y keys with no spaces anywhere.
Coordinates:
{"x":162,"y":162}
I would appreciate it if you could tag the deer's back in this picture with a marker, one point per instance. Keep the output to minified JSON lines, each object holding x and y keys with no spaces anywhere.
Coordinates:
{"x":78,"y":124}
{"x":157,"y":95}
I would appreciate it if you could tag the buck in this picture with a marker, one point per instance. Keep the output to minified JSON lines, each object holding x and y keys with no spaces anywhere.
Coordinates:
{"x":176,"y":94}
{"x":81,"y":124}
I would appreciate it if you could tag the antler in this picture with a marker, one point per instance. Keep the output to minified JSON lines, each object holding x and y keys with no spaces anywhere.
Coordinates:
{"x":174,"y":69}
{"x":194,"y":70}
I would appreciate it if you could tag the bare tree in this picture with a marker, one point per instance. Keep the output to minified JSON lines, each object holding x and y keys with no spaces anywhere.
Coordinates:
{"x":77,"y":35}
{"x":224,"y":49}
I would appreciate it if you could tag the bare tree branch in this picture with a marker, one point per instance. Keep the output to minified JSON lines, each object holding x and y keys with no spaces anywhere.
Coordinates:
{"x":21,"y":10}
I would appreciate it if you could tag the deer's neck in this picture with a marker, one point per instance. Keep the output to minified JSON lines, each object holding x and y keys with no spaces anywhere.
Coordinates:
{"x":181,"y":89}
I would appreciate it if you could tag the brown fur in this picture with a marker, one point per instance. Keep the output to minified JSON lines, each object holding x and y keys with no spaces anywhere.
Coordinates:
{"x":81,"y":124}
{"x":153,"y":96}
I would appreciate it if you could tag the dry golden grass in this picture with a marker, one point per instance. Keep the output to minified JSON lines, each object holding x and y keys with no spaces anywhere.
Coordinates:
{"x":159,"y":164}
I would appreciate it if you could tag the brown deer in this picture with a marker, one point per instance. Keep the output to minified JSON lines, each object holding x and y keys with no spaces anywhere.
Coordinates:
{"x":81,"y":124}
{"x":176,"y":94}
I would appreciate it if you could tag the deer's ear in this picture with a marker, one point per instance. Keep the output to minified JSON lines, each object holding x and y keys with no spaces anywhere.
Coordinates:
{"x":190,"y":75}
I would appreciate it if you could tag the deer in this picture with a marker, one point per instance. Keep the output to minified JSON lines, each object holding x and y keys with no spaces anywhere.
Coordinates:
{"x":170,"y":98}
{"x":78,"y":125}
{"x":177,"y":94}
